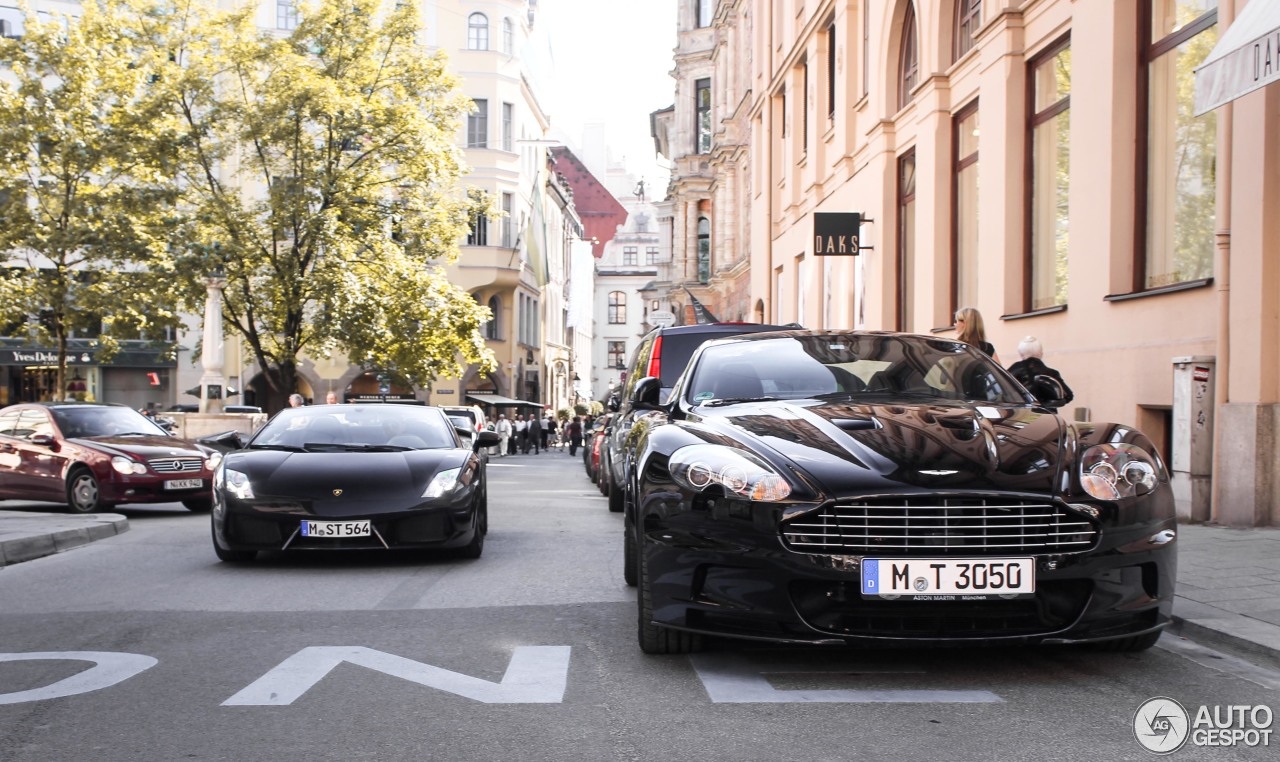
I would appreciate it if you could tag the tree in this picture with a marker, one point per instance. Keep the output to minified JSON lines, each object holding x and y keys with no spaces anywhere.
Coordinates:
{"x":319,"y":172}
{"x":80,"y":200}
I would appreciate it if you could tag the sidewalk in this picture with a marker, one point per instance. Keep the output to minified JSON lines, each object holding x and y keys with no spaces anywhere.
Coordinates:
{"x":1228,"y":579}
{"x":25,"y":535}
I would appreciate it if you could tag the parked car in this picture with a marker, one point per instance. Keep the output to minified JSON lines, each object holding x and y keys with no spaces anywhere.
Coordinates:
{"x":662,"y":354}
{"x":469,"y":416}
{"x":355,"y":476}
{"x":591,"y":445}
{"x":93,"y":457}
{"x":842,"y":487}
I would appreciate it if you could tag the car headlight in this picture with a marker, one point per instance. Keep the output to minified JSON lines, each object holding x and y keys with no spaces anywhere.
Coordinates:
{"x":234,"y":482}
{"x":1111,"y":472}
{"x":212,"y":460}
{"x":127,"y":466}
{"x":442,"y":484}
{"x":740,"y":473}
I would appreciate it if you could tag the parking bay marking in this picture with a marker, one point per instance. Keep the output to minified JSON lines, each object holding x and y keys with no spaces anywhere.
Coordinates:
{"x":740,"y":679}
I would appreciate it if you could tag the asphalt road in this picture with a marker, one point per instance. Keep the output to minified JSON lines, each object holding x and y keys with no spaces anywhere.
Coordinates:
{"x":145,"y":647}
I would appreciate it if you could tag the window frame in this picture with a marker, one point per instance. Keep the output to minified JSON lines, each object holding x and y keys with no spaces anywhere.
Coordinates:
{"x":508,"y":126}
{"x":702,"y":115}
{"x":616,"y":354}
{"x":286,"y":14}
{"x":508,"y":36}
{"x":617,"y":308}
{"x":704,"y":249}
{"x":908,"y":57}
{"x":958,"y":165}
{"x":478,"y":124}
{"x":968,"y":16}
{"x":477,"y":33}
{"x":904,"y":255}
{"x":1036,"y":119}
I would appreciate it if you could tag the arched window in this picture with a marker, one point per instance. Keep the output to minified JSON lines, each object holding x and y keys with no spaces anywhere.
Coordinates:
{"x":704,"y":249}
{"x":491,"y":328}
{"x":968,"y":19}
{"x":617,"y":307}
{"x":477,"y":32}
{"x":908,"y":57}
{"x":508,"y":37}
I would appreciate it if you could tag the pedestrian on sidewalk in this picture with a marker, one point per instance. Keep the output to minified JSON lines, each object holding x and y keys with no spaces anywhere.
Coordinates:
{"x":548,"y":430}
{"x":574,"y":429}
{"x":972,"y":331}
{"x":537,"y":437}
{"x":503,"y":430}
{"x":521,"y":440}
{"x":1041,"y":380}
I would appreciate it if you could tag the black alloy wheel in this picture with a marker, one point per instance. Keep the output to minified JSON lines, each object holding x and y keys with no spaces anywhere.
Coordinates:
{"x":654,"y":639}
{"x":628,"y":553}
{"x":230,"y":556}
{"x":83,"y":493}
{"x":615,"y":494}
{"x":474,"y":548}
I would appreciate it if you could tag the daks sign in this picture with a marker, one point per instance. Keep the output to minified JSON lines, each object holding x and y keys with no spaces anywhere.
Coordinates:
{"x":835,"y":234}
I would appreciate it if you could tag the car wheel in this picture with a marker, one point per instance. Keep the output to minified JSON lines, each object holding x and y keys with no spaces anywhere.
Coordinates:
{"x":1131,"y":644}
{"x":474,"y":548}
{"x":628,"y":554}
{"x":615,"y":496}
{"x":198,"y":505}
{"x":655,"y":639}
{"x":231,"y":556}
{"x":83,"y":494}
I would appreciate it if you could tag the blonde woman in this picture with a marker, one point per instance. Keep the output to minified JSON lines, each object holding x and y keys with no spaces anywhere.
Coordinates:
{"x":969,"y":326}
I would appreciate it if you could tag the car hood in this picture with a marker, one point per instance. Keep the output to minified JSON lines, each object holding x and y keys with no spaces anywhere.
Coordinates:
{"x":845,"y":447}
{"x":145,"y":447}
{"x":358,"y":477}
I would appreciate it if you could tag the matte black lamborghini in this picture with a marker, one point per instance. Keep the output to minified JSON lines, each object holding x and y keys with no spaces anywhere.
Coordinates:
{"x":352,"y":476}
{"x":840,"y":487}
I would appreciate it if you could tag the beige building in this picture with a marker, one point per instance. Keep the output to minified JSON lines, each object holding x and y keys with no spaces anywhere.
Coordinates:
{"x":1038,"y":160}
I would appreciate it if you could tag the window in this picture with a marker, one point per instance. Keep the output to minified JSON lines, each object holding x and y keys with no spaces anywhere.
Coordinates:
{"x":630,"y":256}
{"x":478,"y":125}
{"x":866,"y":47}
{"x":968,"y":19}
{"x":479,"y":235}
{"x":802,"y":277}
{"x":286,"y":14}
{"x":705,"y":10}
{"x":702,"y":110}
{"x":1050,"y":178}
{"x":618,"y":355}
{"x":477,"y":32}
{"x":651,"y":257}
{"x":831,"y":71}
{"x":704,"y":249}
{"x":804,"y":108}
{"x":491,"y":329}
{"x":908,"y":57}
{"x":508,"y":37}
{"x":1177,"y":179}
{"x":906,"y":237}
{"x":964,"y":221}
{"x":507,"y":223}
{"x":508,"y":122}
{"x":617,"y":307}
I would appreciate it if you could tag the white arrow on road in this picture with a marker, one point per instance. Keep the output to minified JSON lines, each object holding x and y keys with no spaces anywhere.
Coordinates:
{"x":108,"y":669}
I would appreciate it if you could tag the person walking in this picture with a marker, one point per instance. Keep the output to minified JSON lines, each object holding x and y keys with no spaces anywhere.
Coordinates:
{"x":574,"y":430}
{"x":521,"y":441}
{"x":331,"y":398}
{"x":1041,"y":380}
{"x":548,"y":430}
{"x":537,"y":437}
{"x":503,"y":430}
{"x":972,"y":332}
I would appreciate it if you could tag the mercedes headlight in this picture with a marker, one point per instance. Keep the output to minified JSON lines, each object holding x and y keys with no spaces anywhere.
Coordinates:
{"x":443,"y":483}
{"x":1111,"y":472}
{"x":235,"y":483}
{"x":740,"y":473}
{"x":127,"y":465}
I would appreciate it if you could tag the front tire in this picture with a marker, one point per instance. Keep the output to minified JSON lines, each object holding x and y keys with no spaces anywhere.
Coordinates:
{"x":198,"y":505}
{"x":231,"y":556}
{"x":629,"y":554}
{"x":83,"y":492}
{"x":654,"y":639}
{"x":475,"y":548}
{"x":615,"y":495}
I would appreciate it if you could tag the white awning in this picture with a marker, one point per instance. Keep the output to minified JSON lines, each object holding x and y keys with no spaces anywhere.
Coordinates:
{"x":497,"y":400}
{"x":1246,"y":57}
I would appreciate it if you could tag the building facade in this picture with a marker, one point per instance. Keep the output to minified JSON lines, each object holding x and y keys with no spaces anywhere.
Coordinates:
{"x":1040,"y":161}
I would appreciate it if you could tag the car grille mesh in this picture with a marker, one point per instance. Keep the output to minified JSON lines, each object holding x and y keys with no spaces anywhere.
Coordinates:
{"x":934,"y":525}
{"x":176,"y":465}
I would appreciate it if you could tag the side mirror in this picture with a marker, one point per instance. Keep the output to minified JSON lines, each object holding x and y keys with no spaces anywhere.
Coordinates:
{"x":646,"y":394}
{"x":45,"y":440}
{"x":613,"y":404}
{"x":223,"y":442}
{"x":486,"y":439}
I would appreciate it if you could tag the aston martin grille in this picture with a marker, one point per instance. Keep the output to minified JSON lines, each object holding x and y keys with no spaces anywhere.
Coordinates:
{"x":934,"y":525}
{"x":176,"y":465}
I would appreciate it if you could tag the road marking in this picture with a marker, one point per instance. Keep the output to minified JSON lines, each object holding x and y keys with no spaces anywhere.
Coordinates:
{"x":1221,"y":662}
{"x":535,"y":675}
{"x":108,"y":669}
{"x":740,"y":679}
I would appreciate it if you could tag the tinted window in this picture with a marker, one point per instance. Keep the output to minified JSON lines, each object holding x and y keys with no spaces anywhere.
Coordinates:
{"x":103,"y":422}
{"x":357,"y":426}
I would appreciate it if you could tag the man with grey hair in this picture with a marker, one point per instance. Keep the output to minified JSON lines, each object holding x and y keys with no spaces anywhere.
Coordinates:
{"x":1041,"y":380}
{"x":295,"y":400}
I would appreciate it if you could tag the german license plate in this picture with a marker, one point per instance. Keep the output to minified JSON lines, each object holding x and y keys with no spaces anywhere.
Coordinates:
{"x":184,"y":484}
{"x":336,"y":529}
{"x":944,"y":578}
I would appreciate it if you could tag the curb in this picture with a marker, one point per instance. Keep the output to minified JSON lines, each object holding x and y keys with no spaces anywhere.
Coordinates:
{"x":1212,"y":626}
{"x":27,"y":546}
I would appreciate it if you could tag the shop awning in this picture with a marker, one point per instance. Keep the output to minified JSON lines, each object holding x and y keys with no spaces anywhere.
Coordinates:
{"x":1246,"y":57}
{"x":497,"y":400}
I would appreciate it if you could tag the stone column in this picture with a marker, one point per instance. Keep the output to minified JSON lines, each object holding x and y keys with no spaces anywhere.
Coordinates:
{"x":213,"y":386}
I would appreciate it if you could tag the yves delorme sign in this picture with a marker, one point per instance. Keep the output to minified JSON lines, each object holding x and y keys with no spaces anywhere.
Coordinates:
{"x":835,"y":234}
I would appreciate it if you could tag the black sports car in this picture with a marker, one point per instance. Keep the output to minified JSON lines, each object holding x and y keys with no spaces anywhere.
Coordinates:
{"x":841,"y":487}
{"x":352,"y":476}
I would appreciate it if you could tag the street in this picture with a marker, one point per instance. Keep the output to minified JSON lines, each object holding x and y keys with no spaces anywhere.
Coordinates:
{"x":528,"y":653}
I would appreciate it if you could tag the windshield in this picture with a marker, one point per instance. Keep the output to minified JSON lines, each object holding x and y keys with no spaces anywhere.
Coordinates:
{"x":80,"y":422}
{"x":357,"y":427}
{"x":850,"y":365}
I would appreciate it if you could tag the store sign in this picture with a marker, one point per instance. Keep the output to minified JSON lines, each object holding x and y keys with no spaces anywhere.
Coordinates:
{"x":42,"y":357}
{"x":836,"y":234}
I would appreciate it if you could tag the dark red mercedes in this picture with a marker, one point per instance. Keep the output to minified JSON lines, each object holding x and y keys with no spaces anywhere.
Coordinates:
{"x":93,"y":457}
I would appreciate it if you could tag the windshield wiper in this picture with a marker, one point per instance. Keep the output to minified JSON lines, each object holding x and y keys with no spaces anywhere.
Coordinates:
{"x":377,"y":447}
{"x":284,"y":447}
{"x":736,"y":400}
